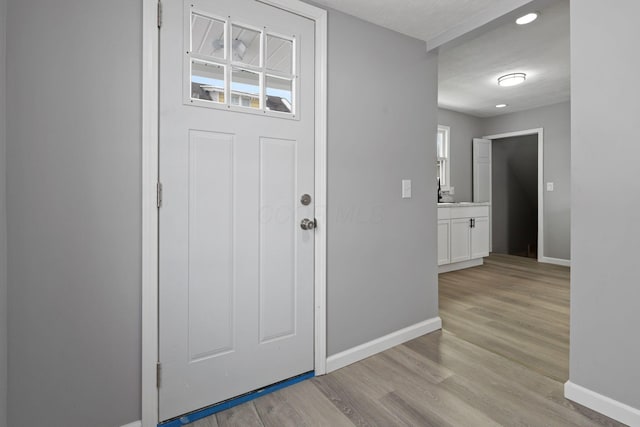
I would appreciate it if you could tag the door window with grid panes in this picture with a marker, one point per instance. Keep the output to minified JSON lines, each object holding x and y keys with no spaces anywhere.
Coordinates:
{"x":255,"y":72}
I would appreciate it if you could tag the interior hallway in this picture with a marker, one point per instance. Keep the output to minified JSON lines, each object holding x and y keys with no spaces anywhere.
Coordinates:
{"x":501,"y":359}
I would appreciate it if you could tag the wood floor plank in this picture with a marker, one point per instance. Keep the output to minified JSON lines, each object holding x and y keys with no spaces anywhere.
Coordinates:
{"x":354,"y":400}
{"x":422,"y":367}
{"x":275,"y":411}
{"x":423,"y":398}
{"x":317,"y":410}
{"x":206,"y":422}
{"x":409,"y":415}
{"x":244,"y":415}
{"x":553,"y":364}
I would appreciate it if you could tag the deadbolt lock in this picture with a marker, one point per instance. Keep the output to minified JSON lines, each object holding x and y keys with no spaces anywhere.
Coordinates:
{"x":305,"y":199}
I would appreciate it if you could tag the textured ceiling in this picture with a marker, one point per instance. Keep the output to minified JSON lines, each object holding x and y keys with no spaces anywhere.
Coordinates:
{"x":422,"y":19}
{"x":468,"y":72}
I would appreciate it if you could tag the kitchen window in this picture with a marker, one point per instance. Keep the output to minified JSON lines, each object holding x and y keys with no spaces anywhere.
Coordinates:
{"x":442,"y":162}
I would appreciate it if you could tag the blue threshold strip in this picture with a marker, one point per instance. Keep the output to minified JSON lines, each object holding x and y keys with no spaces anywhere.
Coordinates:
{"x":210,"y":410}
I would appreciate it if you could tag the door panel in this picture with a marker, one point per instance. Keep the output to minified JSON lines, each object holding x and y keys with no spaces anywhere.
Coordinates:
{"x":211,"y":284}
{"x":460,"y":240}
{"x":443,"y":242}
{"x":482,"y":175}
{"x":236,"y":269}
{"x":481,"y":170}
{"x":480,"y":238}
{"x":277,"y":238}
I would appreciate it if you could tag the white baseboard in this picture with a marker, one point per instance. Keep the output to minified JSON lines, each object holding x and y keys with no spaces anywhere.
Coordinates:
{"x":378,"y":345}
{"x":603,"y":404}
{"x":133,"y":424}
{"x":460,"y":265}
{"x":556,"y":261}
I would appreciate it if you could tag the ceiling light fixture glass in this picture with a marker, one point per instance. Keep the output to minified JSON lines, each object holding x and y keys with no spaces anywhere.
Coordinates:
{"x":512,"y":79}
{"x":501,"y":105}
{"x":527,"y":19}
{"x":238,"y":46}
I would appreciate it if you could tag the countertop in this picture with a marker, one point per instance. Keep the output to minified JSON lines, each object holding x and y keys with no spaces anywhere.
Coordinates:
{"x":462,"y":204}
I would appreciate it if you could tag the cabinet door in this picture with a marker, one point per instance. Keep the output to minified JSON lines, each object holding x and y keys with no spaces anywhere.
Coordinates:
{"x":443,"y":242}
{"x":480,"y":238}
{"x":460,"y":240}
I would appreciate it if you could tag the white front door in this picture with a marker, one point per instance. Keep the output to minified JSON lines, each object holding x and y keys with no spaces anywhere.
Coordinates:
{"x":236,"y":157}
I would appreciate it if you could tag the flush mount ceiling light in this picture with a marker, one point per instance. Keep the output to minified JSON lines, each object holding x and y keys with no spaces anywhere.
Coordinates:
{"x":501,"y":105}
{"x":527,"y":19}
{"x":512,"y":79}
{"x":238,"y":46}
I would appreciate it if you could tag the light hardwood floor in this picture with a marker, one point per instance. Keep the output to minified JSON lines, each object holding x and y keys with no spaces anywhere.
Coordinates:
{"x":501,"y":359}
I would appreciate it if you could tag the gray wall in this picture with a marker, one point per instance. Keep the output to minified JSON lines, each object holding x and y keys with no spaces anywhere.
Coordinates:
{"x":463,"y":129}
{"x":555,"y":120}
{"x":514,"y":194}
{"x":605,"y":348}
{"x":382,"y":272}
{"x":3,"y":222}
{"x":73,"y":198}
{"x":73,"y":194}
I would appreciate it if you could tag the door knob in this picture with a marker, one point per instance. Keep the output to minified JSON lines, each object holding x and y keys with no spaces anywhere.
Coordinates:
{"x":308,"y":224}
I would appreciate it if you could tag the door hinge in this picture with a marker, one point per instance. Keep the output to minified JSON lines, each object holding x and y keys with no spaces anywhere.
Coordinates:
{"x":159,"y":14}
{"x":159,"y":195}
{"x":158,"y":374}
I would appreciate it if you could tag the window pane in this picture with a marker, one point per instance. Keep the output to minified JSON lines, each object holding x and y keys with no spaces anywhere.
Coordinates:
{"x":279,"y":54}
{"x":441,"y":168}
{"x":279,"y":94}
{"x":207,"y":81}
{"x":207,"y":36}
{"x":245,"y":44}
{"x":245,"y":88}
{"x":440,"y":144}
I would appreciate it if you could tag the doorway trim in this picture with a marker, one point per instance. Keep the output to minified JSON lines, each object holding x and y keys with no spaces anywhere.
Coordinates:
{"x":540,"y":133}
{"x":150,"y":170}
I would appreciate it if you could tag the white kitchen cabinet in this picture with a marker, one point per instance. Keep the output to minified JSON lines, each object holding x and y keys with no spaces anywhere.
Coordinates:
{"x":480,"y":237}
{"x":444,"y":256}
{"x":463,"y":235}
{"x":460,"y":240}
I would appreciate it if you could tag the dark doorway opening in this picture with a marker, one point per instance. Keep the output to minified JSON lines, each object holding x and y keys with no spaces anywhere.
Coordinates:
{"x":515,"y":195}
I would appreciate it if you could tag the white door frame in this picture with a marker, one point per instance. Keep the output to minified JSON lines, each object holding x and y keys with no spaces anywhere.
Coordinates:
{"x":150,"y":158}
{"x":540,"y":133}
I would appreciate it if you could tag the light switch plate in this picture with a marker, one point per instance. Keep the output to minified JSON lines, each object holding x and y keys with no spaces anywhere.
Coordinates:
{"x":406,"y":188}
{"x":549,"y":186}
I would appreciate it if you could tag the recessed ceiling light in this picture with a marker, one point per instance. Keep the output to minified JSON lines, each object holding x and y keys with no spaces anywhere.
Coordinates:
{"x":527,"y":19}
{"x":501,"y":105}
{"x":512,"y":79}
